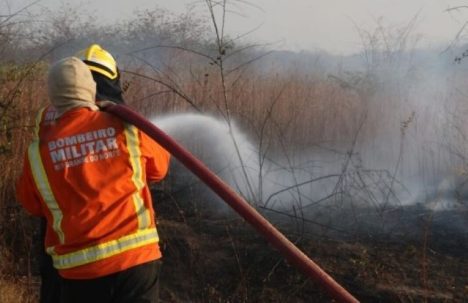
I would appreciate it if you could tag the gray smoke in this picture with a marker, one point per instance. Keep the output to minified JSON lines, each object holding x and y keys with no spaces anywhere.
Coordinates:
{"x":323,"y":195}
{"x":407,"y":170}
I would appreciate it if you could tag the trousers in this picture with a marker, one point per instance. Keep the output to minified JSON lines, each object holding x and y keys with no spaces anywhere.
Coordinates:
{"x":138,"y":284}
{"x":50,"y":278}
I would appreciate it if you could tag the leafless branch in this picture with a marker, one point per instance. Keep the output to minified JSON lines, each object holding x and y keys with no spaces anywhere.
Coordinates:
{"x":300,"y":184}
{"x":456,"y":8}
{"x":170,"y":87}
{"x":13,"y":15}
{"x":211,"y":59}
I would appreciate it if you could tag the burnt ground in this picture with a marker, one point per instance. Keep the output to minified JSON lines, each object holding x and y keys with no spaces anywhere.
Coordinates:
{"x":218,"y":257}
{"x":210,"y":257}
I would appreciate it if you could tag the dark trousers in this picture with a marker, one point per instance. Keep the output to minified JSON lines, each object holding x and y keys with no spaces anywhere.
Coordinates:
{"x":50,"y":285}
{"x":50,"y":279}
{"x":137,"y":284}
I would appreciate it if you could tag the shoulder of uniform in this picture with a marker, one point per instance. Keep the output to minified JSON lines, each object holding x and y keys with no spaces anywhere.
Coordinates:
{"x":47,"y":114}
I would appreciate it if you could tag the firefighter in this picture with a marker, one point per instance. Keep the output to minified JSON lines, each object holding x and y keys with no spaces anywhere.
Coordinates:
{"x":87,"y":172}
{"x":106,"y":74}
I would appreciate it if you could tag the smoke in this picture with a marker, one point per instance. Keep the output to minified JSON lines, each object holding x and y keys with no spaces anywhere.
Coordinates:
{"x":234,"y":158}
{"x":404,"y":172}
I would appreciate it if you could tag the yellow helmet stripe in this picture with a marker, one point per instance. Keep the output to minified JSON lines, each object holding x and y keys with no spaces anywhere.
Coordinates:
{"x":92,"y":49}
{"x":99,"y":60}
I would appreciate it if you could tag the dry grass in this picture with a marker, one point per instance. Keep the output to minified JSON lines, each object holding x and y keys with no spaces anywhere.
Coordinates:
{"x":304,"y":109}
{"x":12,"y":291}
{"x":21,"y":94}
{"x":209,"y":259}
{"x":285,"y":110}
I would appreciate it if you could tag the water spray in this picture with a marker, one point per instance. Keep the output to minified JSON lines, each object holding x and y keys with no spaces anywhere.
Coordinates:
{"x":290,"y":251}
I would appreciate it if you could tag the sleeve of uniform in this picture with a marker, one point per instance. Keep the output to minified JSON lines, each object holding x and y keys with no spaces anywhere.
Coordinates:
{"x":157,"y":158}
{"x":26,"y":192}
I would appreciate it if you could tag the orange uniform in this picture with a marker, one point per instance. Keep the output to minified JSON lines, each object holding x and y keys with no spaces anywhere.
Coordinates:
{"x":87,"y":173}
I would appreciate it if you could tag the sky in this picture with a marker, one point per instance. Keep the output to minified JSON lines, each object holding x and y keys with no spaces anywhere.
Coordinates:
{"x":331,"y":25}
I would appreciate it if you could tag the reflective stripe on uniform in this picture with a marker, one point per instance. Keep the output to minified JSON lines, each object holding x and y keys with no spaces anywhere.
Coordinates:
{"x":144,"y":234}
{"x":42,"y":182}
{"x":133,"y":145}
{"x":104,"y":250}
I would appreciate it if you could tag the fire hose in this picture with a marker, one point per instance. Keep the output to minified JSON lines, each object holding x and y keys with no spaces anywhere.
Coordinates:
{"x":290,"y":251}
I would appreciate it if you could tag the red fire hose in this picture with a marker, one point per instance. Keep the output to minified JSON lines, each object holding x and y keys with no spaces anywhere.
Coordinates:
{"x":276,"y":238}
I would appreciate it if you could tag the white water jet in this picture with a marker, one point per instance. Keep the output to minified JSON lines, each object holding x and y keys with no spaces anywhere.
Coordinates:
{"x":284,"y":187}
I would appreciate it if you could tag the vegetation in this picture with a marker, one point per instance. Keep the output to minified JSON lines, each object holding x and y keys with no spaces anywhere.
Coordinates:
{"x":332,"y":148}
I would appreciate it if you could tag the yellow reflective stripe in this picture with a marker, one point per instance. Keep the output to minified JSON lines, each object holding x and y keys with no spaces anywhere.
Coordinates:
{"x":38,"y":123}
{"x":104,"y":250}
{"x":42,"y":182}
{"x":133,"y":146}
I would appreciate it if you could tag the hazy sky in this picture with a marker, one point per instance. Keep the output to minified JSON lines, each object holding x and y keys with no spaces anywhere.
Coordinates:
{"x":330,"y":25}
